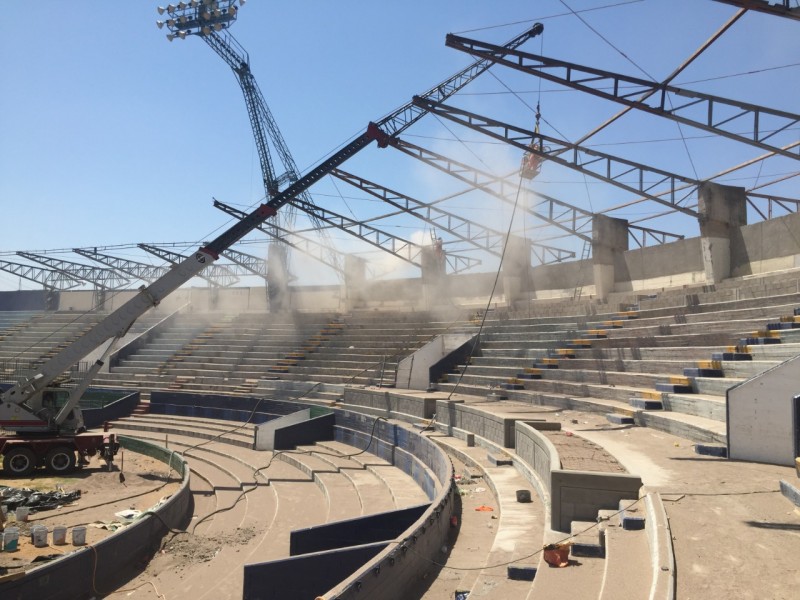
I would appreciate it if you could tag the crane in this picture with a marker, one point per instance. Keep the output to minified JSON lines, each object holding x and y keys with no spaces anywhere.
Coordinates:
{"x":49,"y":432}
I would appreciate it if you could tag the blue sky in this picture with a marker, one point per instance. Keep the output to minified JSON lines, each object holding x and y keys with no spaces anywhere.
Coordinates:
{"x":112,"y":135}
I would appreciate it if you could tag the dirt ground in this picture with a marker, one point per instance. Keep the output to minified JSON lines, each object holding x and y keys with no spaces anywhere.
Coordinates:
{"x":147,"y":482}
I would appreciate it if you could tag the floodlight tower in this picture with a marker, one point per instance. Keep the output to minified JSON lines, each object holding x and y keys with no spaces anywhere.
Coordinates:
{"x":210,"y":20}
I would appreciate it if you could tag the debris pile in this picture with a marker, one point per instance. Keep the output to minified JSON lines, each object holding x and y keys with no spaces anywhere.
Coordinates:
{"x":35,"y":500}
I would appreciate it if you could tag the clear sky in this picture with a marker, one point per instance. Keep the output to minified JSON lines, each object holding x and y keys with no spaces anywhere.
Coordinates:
{"x":111,"y":135}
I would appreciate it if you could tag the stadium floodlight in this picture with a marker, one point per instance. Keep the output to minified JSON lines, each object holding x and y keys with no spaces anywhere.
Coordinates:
{"x":199,"y":17}
{"x":160,"y":10}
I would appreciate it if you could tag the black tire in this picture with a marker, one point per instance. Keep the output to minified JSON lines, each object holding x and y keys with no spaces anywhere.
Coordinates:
{"x":60,"y":460}
{"x":19,"y":462}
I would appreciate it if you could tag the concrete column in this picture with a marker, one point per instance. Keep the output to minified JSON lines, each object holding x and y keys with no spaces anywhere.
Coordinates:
{"x":517,"y":283}
{"x":609,"y":241}
{"x":355,"y":279}
{"x":434,"y":275}
{"x":723,"y":210}
{"x":277,"y":277}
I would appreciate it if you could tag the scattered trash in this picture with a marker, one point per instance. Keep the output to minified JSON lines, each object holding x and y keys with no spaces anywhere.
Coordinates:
{"x":109,"y":525}
{"x":128,"y":515}
{"x":480,"y":489}
{"x":484,"y":508}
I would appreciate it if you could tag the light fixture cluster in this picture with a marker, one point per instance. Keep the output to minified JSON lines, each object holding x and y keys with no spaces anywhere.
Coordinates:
{"x":198,"y":17}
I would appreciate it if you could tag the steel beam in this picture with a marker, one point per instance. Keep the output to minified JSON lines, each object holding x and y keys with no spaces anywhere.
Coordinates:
{"x":298,"y":242}
{"x":718,"y":114}
{"x":50,"y":279}
{"x":102,"y":278}
{"x":216,"y":275}
{"x":137,"y":270}
{"x":779,"y":8}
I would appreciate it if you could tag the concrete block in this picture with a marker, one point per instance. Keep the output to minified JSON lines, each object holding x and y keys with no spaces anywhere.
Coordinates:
{"x":619,"y":419}
{"x":544,"y":425}
{"x":733,"y":356}
{"x":674,"y":388}
{"x":587,"y":540}
{"x":782,"y":325}
{"x":711,"y":450}
{"x":696,"y":372}
{"x":632,"y":515}
{"x":521,"y":573}
{"x":512,"y":386}
{"x":646,"y":404}
{"x":758,"y":341}
{"x":499,"y":460}
{"x":791,"y":492}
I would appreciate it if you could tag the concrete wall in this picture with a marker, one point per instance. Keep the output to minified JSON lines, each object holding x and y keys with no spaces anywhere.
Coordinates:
{"x":414,"y":371}
{"x":759,"y":248}
{"x":761,"y":422}
{"x":675,"y":264}
{"x":538,"y":453}
{"x":453,"y":414}
{"x":381,"y":571}
{"x":578,"y":495}
{"x":767,"y":246}
{"x":390,"y":404}
{"x":76,"y":575}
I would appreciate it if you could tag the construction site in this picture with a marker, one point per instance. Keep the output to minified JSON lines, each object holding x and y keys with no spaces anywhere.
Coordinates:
{"x":533,"y":332}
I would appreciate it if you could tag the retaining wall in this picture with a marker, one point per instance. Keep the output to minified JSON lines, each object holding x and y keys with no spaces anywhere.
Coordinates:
{"x":94,"y":570}
{"x":385,"y":570}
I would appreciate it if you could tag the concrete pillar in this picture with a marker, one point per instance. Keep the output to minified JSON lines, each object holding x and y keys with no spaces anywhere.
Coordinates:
{"x":434,"y":274}
{"x":277,"y":277}
{"x":355,"y":279}
{"x":517,"y":284}
{"x":723,"y":210}
{"x":609,"y":241}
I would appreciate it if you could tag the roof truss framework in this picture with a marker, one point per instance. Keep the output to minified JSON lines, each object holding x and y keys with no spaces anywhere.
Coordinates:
{"x":704,"y":111}
{"x":298,"y":242}
{"x":253,"y":264}
{"x":102,"y":278}
{"x":137,"y":270}
{"x":780,"y":8}
{"x":646,"y":181}
{"x":569,"y":218}
{"x":479,"y":236}
{"x":49,"y":278}
{"x":215,"y":274}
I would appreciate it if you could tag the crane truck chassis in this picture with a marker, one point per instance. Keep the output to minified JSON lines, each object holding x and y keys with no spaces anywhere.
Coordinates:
{"x":58,"y":454}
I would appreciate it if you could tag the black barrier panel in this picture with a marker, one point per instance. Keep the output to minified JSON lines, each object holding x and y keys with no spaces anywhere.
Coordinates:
{"x":95,"y":417}
{"x":354,"y":532}
{"x":222,"y":402}
{"x":25,"y":300}
{"x":307,"y":576}
{"x":319,"y":429}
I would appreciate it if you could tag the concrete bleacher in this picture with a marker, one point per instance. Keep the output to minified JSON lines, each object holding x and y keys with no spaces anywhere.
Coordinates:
{"x":628,"y":362}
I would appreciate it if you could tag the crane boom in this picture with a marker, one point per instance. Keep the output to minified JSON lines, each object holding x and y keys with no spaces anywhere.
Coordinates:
{"x":26,"y":396}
